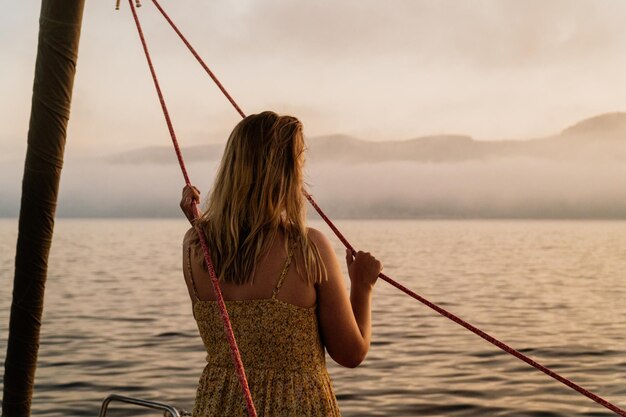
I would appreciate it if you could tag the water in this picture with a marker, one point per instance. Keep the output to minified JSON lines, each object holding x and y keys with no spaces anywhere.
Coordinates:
{"x":118,"y":318}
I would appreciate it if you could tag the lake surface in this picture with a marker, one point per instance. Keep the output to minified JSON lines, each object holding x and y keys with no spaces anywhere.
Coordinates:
{"x":118,"y":318}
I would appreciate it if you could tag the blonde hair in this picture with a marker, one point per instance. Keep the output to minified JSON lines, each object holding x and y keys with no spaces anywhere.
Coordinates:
{"x":257,"y":193}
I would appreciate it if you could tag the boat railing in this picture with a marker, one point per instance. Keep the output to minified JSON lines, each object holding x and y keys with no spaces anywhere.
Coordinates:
{"x":168,"y":410}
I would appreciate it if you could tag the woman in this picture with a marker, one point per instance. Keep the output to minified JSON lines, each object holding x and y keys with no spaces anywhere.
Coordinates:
{"x":282,"y":283}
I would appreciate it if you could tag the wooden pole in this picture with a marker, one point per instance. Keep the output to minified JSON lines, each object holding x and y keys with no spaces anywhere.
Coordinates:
{"x":57,"y":53}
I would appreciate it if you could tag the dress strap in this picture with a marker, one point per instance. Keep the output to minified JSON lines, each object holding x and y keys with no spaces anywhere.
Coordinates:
{"x":283,"y":273}
{"x":190,"y":273}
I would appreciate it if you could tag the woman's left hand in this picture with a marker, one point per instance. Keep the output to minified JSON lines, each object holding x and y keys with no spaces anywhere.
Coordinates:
{"x":191,"y":197}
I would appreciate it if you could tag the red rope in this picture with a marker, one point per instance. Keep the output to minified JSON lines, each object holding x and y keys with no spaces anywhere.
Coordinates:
{"x":384,"y":277}
{"x":234,"y":350}
{"x":199,"y":59}
{"x":473,"y":328}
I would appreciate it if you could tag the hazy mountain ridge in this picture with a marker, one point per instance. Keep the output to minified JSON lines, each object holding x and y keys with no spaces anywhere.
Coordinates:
{"x":608,"y":124}
{"x":165,"y":155}
{"x":594,"y":138}
{"x":579,"y":173}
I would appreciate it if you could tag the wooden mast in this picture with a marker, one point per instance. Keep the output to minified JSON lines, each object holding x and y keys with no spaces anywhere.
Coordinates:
{"x":57,"y":53}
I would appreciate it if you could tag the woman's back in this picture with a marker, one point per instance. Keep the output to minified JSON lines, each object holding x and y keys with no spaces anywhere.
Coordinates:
{"x":279,"y":342}
{"x":294,"y":289}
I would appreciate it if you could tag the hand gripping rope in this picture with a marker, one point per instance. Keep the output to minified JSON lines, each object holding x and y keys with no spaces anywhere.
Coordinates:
{"x":224,"y":313}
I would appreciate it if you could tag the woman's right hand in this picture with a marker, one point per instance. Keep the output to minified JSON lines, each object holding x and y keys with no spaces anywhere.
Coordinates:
{"x":189,"y":201}
{"x":363,"y":268}
{"x":345,"y":322}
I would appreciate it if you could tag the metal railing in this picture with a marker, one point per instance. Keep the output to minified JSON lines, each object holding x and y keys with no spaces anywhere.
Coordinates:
{"x":166,"y":408}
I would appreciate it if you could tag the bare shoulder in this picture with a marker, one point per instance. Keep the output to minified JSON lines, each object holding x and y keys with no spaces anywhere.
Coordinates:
{"x":325,"y":248}
{"x":189,"y":236}
{"x":321,"y":241}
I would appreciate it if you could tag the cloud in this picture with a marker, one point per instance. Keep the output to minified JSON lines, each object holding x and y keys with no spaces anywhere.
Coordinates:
{"x":483,"y":33}
{"x":491,"y":69}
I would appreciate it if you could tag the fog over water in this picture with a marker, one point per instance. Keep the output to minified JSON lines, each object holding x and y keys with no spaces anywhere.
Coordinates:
{"x":579,"y":173}
{"x":513,"y":188}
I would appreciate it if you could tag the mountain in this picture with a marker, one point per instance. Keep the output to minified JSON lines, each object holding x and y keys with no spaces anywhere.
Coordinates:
{"x":597,"y":138}
{"x":608,"y":125}
{"x":165,"y":155}
{"x":425,"y":149}
{"x":578,"y":173}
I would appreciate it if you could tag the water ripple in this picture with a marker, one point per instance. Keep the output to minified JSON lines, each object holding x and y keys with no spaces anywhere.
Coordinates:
{"x":118,"y":318}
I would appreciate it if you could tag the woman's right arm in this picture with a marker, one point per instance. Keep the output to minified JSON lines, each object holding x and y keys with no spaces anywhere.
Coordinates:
{"x":345,"y":323}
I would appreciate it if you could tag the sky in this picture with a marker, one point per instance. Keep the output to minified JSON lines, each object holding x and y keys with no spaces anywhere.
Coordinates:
{"x":377,"y":70}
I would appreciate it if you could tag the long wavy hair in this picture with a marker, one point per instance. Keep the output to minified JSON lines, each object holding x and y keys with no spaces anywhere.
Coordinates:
{"x":257,"y":193}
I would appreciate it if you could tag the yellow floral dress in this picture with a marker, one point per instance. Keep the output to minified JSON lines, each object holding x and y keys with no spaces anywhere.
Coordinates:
{"x":281,"y":353}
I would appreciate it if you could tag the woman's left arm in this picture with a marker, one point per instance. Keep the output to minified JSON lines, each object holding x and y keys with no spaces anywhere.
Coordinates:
{"x":189,"y":201}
